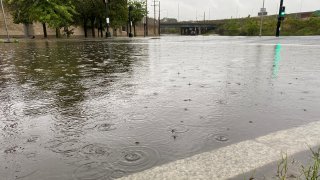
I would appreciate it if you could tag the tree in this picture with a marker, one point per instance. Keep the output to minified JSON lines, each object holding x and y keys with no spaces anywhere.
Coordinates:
{"x":57,"y":13}
{"x":118,"y":13}
{"x":83,"y":12}
{"x":137,"y":13}
{"x":169,"y":20}
{"x":93,"y":11}
{"x":316,"y":13}
{"x":20,"y":10}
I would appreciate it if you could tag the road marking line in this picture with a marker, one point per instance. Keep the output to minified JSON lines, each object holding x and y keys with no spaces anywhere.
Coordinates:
{"x":239,"y":158}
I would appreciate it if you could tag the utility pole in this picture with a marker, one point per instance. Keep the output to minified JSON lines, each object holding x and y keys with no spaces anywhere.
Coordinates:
{"x":178,"y":12}
{"x":196,"y":14}
{"x":280,"y":18}
{"x":5,"y":21}
{"x":154,"y":17}
{"x":204,"y":22}
{"x":261,"y":21}
{"x":237,"y":11}
{"x":147,"y":28}
{"x":300,"y":8}
{"x":159,"y":20}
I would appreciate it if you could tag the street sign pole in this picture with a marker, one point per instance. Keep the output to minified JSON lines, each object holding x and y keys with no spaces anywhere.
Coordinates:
{"x":108,"y":34}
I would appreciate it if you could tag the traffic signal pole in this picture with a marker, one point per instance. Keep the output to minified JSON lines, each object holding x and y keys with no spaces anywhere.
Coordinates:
{"x":280,"y":18}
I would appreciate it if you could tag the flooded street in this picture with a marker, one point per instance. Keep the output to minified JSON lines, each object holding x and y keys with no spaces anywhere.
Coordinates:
{"x":90,"y":109}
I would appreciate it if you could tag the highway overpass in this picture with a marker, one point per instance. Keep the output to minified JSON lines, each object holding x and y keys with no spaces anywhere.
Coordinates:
{"x":189,"y":28}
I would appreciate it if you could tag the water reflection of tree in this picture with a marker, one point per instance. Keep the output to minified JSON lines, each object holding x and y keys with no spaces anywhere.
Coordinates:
{"x":62,"y":67}
{"x":67,"y":71}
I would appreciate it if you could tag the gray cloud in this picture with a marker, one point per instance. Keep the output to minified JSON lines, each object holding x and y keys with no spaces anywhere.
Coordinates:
{"x":221,"y":9}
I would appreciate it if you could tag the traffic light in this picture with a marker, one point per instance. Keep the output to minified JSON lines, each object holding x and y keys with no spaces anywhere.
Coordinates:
{"x":282,"y":12}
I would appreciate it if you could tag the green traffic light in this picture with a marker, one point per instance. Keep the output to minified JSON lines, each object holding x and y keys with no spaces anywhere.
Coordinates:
{"x":283,"y":13}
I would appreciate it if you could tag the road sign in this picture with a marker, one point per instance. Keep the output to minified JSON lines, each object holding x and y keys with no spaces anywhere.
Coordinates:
{"x":262,"y":13}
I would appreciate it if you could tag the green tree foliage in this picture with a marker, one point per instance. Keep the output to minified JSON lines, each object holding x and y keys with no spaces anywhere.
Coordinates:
{"x":64,"y":13}
{"x":83,"y":9}
{"x":138,"y":12}
{"x":93,"y":11}
{"x":317,"y":13}
{"x":56,"y":13}
{"x":169,"y":20}
{"x":20,"y":11}
{"x":118,"y":13}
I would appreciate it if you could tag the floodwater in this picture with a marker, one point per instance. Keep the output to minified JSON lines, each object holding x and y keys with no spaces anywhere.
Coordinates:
{"x":96,"y":109}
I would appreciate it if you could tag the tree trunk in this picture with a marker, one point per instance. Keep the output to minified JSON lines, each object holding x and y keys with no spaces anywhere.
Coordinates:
{"x":45,"y":34}
{"x":127,"y":29}
{"x":92,"y":19}
{"x":85,"y":28}
{"x":66,"y":31}
{"x":115,"y":34}
{"x":101,"y":28}
{"x":58,"y":33}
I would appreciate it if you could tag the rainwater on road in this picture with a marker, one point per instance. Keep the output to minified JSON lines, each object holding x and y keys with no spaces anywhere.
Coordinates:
{"x":97,"y":109}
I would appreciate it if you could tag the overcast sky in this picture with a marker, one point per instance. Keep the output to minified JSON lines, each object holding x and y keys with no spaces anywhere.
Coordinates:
{"x":221,"y":9}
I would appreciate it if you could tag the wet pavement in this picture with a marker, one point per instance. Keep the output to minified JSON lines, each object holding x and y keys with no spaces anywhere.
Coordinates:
{"x":90,"y":109}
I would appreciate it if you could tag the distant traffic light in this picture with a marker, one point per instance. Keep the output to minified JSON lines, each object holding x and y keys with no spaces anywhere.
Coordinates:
{"x":282,"y":12}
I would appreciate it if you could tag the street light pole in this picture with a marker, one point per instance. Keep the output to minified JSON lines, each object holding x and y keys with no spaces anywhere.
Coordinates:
{"x":108,"y":34}
{"x":178,"y":12}
{"x":5,"y":21}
